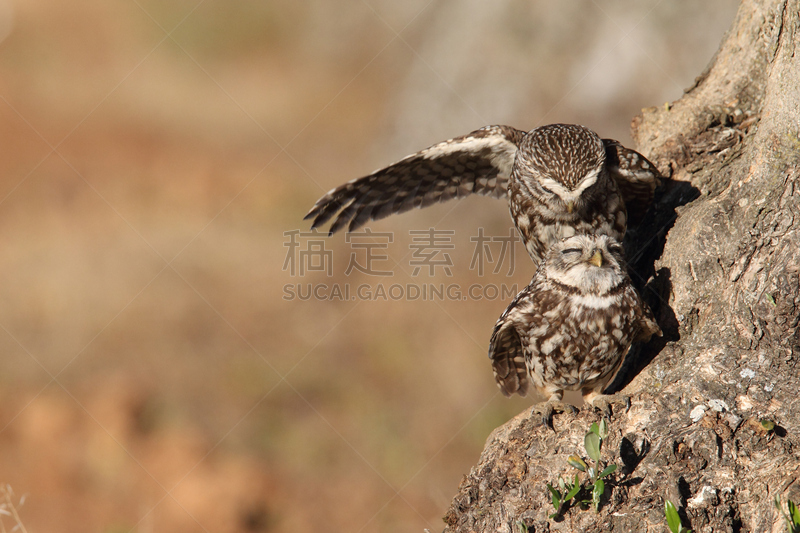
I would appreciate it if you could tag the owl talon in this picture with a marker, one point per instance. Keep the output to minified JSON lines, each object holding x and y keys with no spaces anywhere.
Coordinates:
{"x":603,"y":403}
{"x":547,"y":409}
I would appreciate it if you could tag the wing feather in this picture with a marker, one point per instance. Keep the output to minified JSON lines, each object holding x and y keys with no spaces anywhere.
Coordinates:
{"x":508,"y":360}
{"x":636,"y":177}
{"x":477,"y":163}
{"x":506,"y":350}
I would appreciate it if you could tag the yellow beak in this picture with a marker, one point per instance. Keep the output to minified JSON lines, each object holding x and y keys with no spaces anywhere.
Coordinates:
{"x":597,"y":259}
{"x":570,"y":207}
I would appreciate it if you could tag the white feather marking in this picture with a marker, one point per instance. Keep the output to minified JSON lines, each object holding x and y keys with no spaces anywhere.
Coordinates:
{"x":501,"y":156}
{"x":567,"y":195}
{"x":550,"y":344}
{"x":592,"y":301}
{"x":586,"y":278}
{"x":538,"y":332}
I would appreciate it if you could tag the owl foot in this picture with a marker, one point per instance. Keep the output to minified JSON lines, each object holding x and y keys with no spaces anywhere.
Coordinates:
{"x":603,"y":402}
{"x":546,"y":409}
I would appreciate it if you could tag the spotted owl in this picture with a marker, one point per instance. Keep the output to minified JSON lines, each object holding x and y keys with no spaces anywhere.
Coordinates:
{"x":559,"y":180}
{"x":571,"y":327}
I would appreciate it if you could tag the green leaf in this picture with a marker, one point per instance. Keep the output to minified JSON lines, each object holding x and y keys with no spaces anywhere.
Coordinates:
{"x":609,"y":469}
{"x":794,"y":512}
{"x":556,"y":497}
{"x":592,"y":444}
{"x":561,"y":484}
{"x":603,"y":429}
{"x":771,"y":300}
{"x":594,"y":429}
{"x":673,"y":519}
{"x":769,"y":425}
{"x":597,"y":492}
{"x":577,"y":462}
{"x":574,"y":490}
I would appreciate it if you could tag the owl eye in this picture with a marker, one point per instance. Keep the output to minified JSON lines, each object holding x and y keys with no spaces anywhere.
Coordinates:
{"x":617,"y":249}
{"x":571,"y":251}
{"x":545,"y":189}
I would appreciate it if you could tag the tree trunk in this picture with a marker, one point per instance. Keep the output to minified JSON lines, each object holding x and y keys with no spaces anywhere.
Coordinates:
{"x":721,"y":254}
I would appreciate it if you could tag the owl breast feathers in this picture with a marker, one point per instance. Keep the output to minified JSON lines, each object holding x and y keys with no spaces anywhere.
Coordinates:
{"x":571,"y":327}
{"x":559,"y":180}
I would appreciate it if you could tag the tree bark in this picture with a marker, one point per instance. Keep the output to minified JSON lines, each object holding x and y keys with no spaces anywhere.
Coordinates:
{"x":721,"y":253}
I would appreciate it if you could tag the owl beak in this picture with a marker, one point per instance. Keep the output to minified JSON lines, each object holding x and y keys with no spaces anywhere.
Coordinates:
{"x":597,"y":259}
{"x":570,"y":207}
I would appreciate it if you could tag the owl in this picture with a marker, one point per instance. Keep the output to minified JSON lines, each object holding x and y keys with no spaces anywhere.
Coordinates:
{"x":560,"y":180}
{"x":571,"y":327}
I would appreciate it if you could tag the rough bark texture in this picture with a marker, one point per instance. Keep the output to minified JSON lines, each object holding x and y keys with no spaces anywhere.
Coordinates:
{"x":721,"y":254}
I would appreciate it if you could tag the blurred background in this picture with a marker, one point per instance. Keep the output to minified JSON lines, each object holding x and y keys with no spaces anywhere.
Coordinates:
{"x":163,"y":368}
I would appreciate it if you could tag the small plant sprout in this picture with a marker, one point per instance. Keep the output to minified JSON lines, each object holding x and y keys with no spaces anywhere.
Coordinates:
{"x":792,"y":517}
{"x":595,"y":472}
{"x":593,"y":442}
{"x":674,"y":519}
{"x":565,"y":492}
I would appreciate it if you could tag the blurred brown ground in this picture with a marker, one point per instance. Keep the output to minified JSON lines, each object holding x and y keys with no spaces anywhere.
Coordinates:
{"x":154,"y":154}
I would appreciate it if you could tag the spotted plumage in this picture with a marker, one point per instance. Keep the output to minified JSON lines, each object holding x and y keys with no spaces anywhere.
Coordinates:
{"x":571,"y":327}
{"x":559,"y":179}
{"x":635,"y":176}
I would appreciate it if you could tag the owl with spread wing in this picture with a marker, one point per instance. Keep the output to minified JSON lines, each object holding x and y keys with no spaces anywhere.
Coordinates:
{"x":560,"y":180}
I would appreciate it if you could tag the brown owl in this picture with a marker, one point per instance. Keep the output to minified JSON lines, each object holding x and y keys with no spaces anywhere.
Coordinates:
{"x":559,"y":180}
{"x":571,"y":327}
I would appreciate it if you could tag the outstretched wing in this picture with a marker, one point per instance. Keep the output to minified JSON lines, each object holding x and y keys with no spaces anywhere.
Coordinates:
{"x":477,"y":163}
{"x":636,"y":177}
{"x":506,"y":350}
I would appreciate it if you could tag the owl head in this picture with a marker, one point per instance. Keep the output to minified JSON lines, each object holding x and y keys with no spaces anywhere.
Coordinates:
{"x":592,"y":264}
{"x":562,"y":163}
